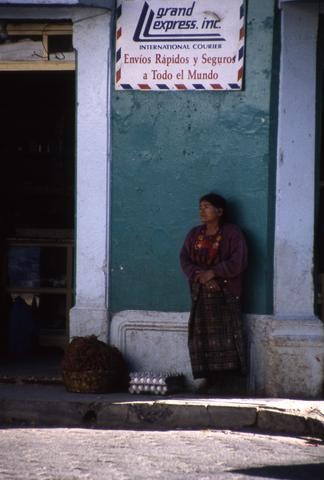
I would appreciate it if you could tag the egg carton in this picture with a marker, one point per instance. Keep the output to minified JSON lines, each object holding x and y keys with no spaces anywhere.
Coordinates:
{"x":162,"y":383}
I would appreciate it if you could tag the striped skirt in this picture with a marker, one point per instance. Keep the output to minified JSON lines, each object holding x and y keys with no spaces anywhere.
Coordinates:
{"x":215,"y":333}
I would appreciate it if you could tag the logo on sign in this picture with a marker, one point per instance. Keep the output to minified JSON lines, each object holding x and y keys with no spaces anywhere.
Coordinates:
{"x":176,"y":23}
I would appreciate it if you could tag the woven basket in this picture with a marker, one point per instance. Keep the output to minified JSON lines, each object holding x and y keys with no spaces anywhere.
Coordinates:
{"x":90,"y":381}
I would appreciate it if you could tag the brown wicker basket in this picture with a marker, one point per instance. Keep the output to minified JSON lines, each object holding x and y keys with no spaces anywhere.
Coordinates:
{"x":90,"y":381}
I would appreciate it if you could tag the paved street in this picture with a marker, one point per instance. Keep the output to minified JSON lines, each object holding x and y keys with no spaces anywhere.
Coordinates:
{"x":79,"y":454}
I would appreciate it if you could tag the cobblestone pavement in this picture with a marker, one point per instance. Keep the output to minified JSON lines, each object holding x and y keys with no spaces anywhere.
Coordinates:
{"x":90,"y":454}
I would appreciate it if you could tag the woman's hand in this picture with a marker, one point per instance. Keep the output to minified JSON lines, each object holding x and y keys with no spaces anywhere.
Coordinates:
{"x":204,"y":277}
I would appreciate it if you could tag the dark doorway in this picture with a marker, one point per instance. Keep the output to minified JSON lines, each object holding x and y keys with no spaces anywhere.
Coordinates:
{"x":37,"y":151}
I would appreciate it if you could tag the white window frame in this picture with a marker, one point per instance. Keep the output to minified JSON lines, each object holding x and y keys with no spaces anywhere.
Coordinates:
{"x":91,"y":40}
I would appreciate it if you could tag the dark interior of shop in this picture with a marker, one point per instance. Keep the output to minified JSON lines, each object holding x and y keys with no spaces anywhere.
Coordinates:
{"x":37,"y":145}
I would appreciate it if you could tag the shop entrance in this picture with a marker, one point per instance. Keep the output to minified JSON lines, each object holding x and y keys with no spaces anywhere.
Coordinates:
{"x":37,"y":151}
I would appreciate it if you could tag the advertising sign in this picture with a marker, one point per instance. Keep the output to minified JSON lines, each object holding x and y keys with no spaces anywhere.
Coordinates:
{"x":180,"y":44}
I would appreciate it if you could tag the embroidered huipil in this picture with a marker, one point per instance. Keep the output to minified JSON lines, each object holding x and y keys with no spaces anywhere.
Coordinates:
{"x":225,"y":254}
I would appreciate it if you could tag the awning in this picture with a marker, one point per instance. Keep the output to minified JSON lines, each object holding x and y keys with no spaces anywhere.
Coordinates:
{"x":59,"y":3}
{"x":309,"y":2}
{"x":298,"y":1}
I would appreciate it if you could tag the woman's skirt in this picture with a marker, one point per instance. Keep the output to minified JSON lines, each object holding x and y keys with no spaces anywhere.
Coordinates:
{"x":215,"y":333}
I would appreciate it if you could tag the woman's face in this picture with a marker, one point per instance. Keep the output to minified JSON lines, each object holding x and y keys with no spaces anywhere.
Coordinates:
{"x":208,"y":213}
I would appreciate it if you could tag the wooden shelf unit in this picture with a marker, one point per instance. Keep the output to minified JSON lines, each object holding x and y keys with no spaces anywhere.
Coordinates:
{"x":47,"y":336}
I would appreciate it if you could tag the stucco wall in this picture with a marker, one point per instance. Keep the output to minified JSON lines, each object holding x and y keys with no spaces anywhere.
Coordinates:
{"x":171,"y":147}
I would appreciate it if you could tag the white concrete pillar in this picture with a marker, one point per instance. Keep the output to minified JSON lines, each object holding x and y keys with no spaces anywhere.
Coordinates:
{"x":287,"y":349}
{"x":91,"y":39}
{"x":294,"y":231}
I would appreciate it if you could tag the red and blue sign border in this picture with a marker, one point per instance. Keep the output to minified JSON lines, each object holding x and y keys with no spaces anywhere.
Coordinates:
{"x":181,"y":86}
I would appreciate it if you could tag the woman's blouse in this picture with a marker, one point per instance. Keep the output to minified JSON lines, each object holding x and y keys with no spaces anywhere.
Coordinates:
{"x":224,"y":253}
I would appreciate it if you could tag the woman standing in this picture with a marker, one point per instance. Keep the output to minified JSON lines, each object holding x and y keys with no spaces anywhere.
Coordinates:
{"x":213,"y":257}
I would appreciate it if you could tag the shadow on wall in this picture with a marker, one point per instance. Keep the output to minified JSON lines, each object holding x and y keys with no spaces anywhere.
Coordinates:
{"x":259,"y":266}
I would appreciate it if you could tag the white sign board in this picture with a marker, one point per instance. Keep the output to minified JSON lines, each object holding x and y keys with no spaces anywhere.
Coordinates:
{"x":180,"y":44}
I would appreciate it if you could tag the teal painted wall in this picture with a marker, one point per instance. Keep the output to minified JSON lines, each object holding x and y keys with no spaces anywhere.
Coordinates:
{"x":168,"y":149}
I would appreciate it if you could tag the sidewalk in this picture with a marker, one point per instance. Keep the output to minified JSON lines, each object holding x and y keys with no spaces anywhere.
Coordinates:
{"x":52,"y":405}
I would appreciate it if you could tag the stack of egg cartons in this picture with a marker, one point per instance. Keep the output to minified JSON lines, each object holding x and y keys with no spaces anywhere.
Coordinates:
{"x":156,"y":383}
